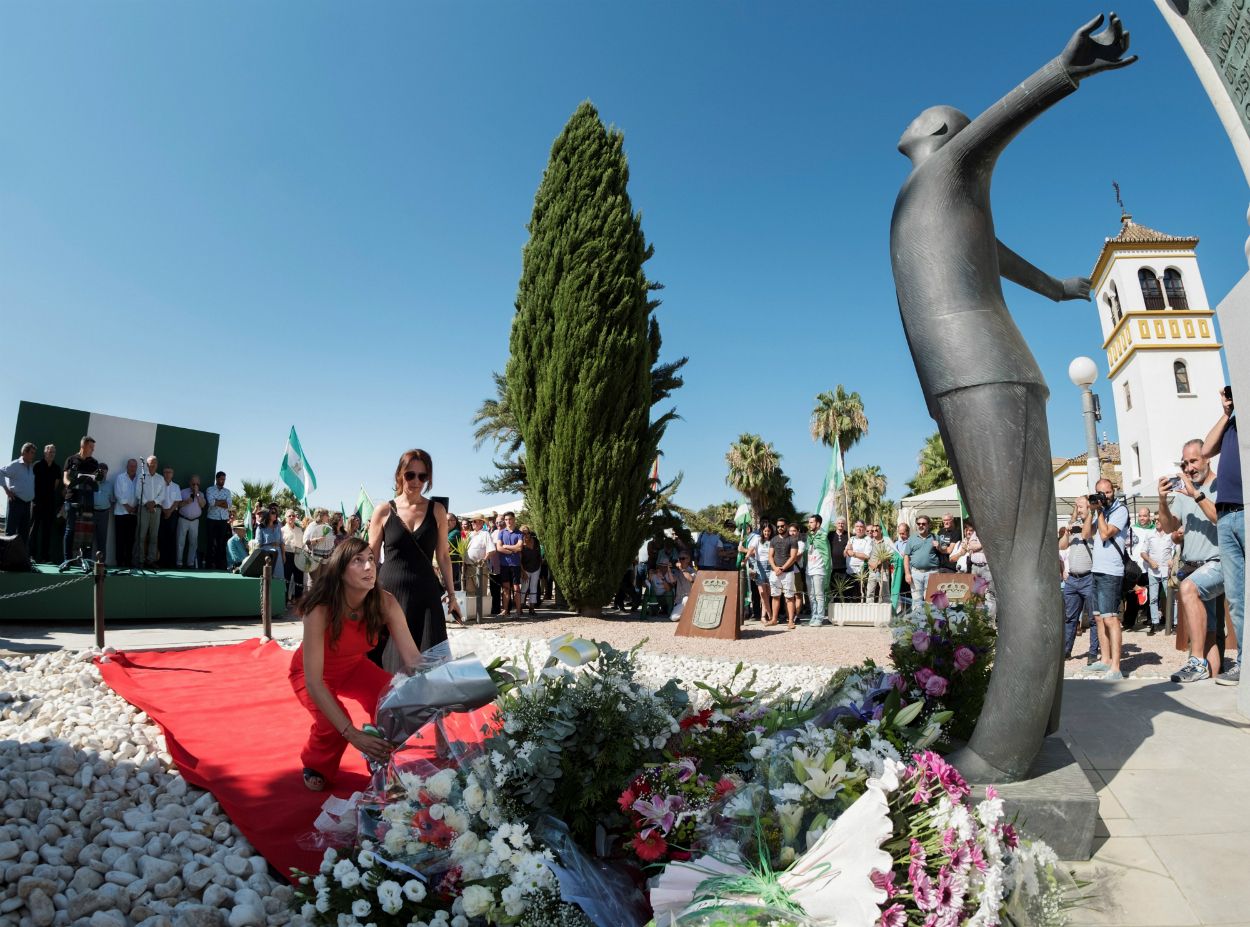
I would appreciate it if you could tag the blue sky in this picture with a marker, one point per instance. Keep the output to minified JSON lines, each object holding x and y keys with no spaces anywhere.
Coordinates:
{"x":313,"y":214}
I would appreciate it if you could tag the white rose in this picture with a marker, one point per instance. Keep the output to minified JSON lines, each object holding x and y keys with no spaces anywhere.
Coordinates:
{"x":414,"y":890}
{"x":477,"y":900}
{"x":441,"y":784}
{"x":366,"y":859}
{"x":390,"y":896}
{"x":361,"y":907}
{"x":474,"y":798}
{"x":464,"y":845}
{"x":436,"y":812}
{"x":455,"y":819}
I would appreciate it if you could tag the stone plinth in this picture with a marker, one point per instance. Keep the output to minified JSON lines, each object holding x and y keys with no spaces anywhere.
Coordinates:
{"x":1056,"y":803}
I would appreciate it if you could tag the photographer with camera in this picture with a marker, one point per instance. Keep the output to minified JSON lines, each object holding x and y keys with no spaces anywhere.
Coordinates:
{"x":1231,"y":527}
{"x":79,"y":479}
{"x":1110,"y":518}
{"x":1078,"y":585}
{"x":1187,"y":501}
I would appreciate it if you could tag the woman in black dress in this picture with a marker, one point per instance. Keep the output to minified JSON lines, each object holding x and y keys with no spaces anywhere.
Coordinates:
{"x":413,"y":529}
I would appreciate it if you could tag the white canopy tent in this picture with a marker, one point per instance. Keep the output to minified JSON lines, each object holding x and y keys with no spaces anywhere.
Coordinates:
{"x":512,"y":505}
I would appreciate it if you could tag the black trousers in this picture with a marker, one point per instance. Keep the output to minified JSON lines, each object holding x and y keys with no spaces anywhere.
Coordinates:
{"x":167,"y":540}
{"x":43,"y":530}
{"x":218,"y":537}
{"x":496,"y":594}
{"x":124,"y":529}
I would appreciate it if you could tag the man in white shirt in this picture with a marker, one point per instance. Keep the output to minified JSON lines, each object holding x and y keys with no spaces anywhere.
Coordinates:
{"x":217,"y":498}
{"x":1156,"y":555}
{"x":171,"y":498}
{"x":858,"y":551}
{"x":476,"y":554}
{"x":149,"y":494}
{"x":125,"y":514}
{"x":103,"y":506}
{"x":191,"y":504}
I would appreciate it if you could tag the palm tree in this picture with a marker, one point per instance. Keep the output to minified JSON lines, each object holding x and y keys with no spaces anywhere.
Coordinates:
{"x":839,"y":414}
{"x":753,"y":469}
{"x":865,"y":487}
{"x":496,"y":421}
{"x":934,"y":469}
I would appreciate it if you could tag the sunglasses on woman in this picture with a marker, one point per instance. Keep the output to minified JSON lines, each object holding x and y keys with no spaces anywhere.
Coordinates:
{"x":410,"y":475}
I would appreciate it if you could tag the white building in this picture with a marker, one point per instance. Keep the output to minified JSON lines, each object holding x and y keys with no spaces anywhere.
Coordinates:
{"x":1163,"y":356}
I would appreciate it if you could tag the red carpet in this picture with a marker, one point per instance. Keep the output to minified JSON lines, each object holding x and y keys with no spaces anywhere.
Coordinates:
{"x":234,"y":727}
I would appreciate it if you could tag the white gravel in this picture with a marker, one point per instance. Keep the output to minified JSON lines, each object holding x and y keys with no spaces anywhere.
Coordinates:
{"x":97,"y":827}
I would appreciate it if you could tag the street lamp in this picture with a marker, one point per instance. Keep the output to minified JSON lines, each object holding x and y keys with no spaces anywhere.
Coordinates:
{"x":1083,"y":372}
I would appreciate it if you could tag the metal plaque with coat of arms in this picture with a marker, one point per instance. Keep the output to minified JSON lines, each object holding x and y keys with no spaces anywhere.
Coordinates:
{"x":710,"y":607}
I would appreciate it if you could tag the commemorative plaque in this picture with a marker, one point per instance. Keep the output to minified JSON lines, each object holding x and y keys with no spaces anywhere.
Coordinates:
{"x":714,"y":606}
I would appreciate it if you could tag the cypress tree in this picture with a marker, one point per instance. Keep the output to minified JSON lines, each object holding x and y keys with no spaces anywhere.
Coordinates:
{"x":580,"y":378}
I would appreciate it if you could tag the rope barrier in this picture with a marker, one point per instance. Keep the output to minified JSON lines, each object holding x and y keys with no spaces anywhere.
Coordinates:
{"x":23,"y":592}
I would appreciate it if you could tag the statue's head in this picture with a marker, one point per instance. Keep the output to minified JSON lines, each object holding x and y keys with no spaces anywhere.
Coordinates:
{"x":930,"y":131}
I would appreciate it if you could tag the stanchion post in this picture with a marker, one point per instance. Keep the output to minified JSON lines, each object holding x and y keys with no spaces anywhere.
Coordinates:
{"x":97,"y":610}
{"x":477,"y":569}
{"x":266,"y":619}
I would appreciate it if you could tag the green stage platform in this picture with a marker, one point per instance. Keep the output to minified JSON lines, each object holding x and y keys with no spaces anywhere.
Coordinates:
{"x":167,"y":595}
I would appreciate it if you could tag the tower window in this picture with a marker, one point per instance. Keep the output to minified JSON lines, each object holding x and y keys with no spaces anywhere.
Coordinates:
{"x":1181,"y":372}
{"x":1136,"y":462}
{"x":1175,"y":289}
{"x":1128,"y":397}
{"x":1113,"y":301}
{"x":1150,"y":290}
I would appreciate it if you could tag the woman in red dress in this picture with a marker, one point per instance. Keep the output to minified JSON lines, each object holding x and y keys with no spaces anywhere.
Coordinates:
{"x":344,"y":615}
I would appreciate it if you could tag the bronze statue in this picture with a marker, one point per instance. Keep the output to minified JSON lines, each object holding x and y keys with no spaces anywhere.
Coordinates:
{"x":983,"y":386}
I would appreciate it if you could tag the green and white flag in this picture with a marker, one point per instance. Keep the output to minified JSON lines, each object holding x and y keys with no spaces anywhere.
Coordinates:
{"x":364,"y":505}
{"x":833,"y":482}
{"x":295,"y":471}
{"x":247,"y":521}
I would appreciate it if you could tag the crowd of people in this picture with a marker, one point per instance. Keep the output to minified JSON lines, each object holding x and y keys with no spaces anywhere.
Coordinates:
{"x":1176,"y":569}
{"x":1170,"y":571}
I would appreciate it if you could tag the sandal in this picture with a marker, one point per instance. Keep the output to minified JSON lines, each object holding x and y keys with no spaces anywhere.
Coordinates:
{"x":311,"y":776}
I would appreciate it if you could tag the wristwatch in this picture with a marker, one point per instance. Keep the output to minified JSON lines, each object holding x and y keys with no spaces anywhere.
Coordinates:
{"x":1200,"y":497}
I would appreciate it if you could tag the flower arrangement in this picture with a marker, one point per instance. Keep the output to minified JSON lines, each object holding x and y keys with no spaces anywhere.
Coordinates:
{"x":758,"y":809}
{"x":956,"y":864}
{"x":666,"y":803}
{"x":445,"y":859}
{"x":570,"y":739}
{"x":942,"y":654}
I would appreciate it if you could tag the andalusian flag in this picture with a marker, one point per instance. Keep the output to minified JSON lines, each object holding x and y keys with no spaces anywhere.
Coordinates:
{"x":963,"y":509}
{"x":364,"y":506}
{"x":833,"y":482}
{"x":295,"y":471}
{"x":247,"y":519}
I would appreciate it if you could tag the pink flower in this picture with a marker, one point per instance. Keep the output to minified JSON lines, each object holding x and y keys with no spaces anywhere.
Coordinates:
{"x":922,"y":890}
{"x":940,"y":600}
{"x":884,"y":881}
{"x":923,"y":675}
{"x":991,"y":793}
{"x":978,"y":857}
{"x":1010,"y":837}
{"x":686,"y":769}
{"x":660,"y":812}
{"x":920,"y":641}
{"x":893,"y":916}
{"x":979,"y":585}
{"x":897,"y":681}
{"x":916,"y":851}
{"x":935,"y":686}
{"x":961,"y":857}
{"x":964,"y":658}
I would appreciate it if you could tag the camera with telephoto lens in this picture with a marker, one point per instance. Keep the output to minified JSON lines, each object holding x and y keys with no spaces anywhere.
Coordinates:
{"x":1100,"y":500}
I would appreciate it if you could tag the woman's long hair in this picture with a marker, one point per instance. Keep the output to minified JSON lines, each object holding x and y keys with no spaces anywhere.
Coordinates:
{"x":328,"y":590}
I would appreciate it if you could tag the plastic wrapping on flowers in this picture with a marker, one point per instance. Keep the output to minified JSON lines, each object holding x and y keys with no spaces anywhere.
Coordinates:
{"x":729,"y":913}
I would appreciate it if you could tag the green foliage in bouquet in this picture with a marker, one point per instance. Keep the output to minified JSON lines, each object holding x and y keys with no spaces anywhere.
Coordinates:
{"x":943,"y":655}
{"x":568,"y":741}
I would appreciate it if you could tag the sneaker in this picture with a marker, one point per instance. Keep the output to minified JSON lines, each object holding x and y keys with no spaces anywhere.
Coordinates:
{"x":1152,"y":630}
{"x":1230,"y":676}
{"x":1113,"y":674}
{"x":1098,"y":667}
{"x":1194,"y":670}
{"x":814,"y":624}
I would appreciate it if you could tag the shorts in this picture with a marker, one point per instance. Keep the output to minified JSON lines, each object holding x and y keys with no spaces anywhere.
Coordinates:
{"x":1209,"y":578}
{"x":510,"y":575}
{"x":1106,"y":598}
{"x":781,"y":584}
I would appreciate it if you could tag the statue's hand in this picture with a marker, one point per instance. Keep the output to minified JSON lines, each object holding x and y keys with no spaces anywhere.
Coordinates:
{"x":1087,"y":54}
{"x":1076,"y":288}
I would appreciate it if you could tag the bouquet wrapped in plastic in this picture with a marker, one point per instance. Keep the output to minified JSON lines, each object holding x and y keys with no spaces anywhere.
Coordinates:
{"x":438,"y":684}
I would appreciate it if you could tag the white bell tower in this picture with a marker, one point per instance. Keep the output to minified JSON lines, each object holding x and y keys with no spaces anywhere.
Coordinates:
{"x":1163,"y":357}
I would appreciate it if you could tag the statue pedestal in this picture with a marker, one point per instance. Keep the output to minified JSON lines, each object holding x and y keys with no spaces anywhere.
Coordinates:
{"x":1056,"y":803}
